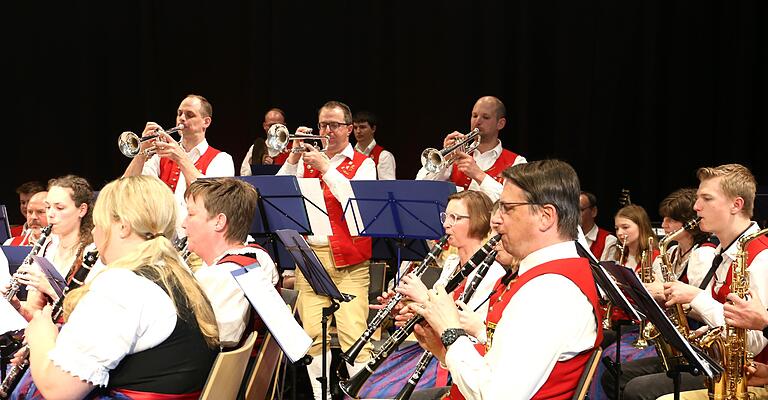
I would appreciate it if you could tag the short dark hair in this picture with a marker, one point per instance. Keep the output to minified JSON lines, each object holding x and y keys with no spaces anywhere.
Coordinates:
{"x":366,"y":116}
{"x":30,"y":187}
{"x":550,"y":182}
{"x":206,"y":109}
{"x":679,"y":206}
{"x":344,"y":108}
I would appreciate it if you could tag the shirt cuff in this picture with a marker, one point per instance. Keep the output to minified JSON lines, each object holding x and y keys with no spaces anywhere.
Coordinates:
{"x":79,"y":365}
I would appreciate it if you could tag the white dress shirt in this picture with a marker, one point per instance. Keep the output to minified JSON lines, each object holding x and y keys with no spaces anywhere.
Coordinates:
{"x":610,"y":241}
{"x":548,"y":320}
{"x":221,"y":165}
{"x":386,"y":166}
{"x":337,"y":183}
{"x":122,"y":313}
{"x":710,"y":311}
{"x":489,"y":186}
{"x":698,"y":264}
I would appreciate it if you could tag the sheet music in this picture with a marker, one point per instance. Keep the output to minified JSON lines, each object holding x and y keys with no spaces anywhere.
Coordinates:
{"x":318,"y":218}
{"x":274,"y":312}
{"x":54,"y":277}
{"x":10,"y":319}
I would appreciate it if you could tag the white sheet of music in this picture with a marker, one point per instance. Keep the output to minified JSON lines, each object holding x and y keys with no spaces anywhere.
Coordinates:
{"x":10,"y":319}
{"x":318,"y":218}
{"x":275,"y":313}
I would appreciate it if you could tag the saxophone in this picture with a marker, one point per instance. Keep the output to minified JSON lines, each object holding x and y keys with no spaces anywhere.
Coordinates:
{"x":670,"y":356}
{"x":647,"y":331}
{"x":728,"y":344}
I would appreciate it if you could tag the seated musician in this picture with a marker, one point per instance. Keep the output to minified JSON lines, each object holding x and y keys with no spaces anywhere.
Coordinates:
{"x":480,"y":170}
{"x":36,"y":221}
{"x":69,"y":204}
{"x":691,"y":256}
{"x":142,"y":328}
{"x":219,"y":215}
{"x":538,"y":220}
{"x":725,"y":203}
{"x":467,"y":221}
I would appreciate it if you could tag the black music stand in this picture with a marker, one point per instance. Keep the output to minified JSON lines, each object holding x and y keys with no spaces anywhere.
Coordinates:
{"x":280,"y":206}
{"x":403,"y":212}
{"x":699,"y":362}
{"x":618,"y":299}
{"x":319,"y":280}
{"x":5,"y":227}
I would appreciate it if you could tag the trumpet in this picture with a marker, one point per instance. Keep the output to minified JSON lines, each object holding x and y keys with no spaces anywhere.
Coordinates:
{"x":129,"y":143}
{"x":434,"y":160}
{"x":278,"y":137}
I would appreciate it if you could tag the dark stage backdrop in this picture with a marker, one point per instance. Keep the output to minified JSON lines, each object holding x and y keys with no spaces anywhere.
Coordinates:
{"x":634,"y":94}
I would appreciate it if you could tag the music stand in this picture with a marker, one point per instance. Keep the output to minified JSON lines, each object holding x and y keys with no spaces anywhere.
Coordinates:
{"x":280,"y":205}
{"x":698,"y":361}
{"x":264,"y":169}
{"x":5,"y":227}
{"x":319,"y":280}
{"x":400,"y":211}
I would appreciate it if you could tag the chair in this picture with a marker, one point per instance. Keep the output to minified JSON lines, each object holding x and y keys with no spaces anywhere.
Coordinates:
{"x":227,"y":373}
{"x":587,"y":375}
{"x":262,"y":382}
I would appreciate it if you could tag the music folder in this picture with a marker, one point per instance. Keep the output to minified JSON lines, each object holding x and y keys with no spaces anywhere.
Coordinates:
{"x":631,"y":286}
{"x":278,"y":318}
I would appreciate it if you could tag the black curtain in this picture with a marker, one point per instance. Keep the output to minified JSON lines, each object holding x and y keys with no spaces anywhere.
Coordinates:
{"x":634,"y":94}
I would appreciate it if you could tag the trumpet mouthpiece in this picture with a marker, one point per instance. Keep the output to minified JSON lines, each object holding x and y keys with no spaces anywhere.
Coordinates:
{"x":181,"y":126}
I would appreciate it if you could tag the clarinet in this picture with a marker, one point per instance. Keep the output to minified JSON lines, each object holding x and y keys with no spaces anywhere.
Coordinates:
{"x":427,"y":356}
{"x":15,"y":374}
{"x":353,"y":385}
{"x":15,"y":286}
{"x":350,"y":355}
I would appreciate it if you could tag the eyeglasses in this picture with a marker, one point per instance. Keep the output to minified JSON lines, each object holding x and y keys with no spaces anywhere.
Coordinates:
{"x":507,"y":206}
{"x":331,"y":126}
{"x":451,"y":219}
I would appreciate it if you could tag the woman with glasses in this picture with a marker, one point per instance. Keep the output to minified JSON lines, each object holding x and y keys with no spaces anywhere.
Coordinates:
{"x":467,"y":220}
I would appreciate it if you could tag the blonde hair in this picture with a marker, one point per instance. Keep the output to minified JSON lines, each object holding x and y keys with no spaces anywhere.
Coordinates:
{"x":737,"y":181}
{"x":637,"y":215}
{"x":479,"y":207}
{"x":147,"y":206}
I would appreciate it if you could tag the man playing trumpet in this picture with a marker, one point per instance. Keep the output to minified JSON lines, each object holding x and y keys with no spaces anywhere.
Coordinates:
{"x":179,"y":163}
{"x":345,"y":257}
{"x":480,"y":170}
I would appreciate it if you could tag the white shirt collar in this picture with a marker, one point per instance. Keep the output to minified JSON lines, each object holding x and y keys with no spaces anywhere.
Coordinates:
{"x":242,"y":251}
{"x":496,"y":151}
{"x":367,"y":151}
{"x":731,"y":252}
{"x":556,"y":251}
{"x":201,"y":148}
{"x":592,"y":234}
{"x":348,"y":152}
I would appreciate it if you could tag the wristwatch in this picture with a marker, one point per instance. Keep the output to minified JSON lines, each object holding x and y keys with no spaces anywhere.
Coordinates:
{"x":450,"y":335}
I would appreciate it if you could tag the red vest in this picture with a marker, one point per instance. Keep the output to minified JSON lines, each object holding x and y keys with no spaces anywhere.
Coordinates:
{"x":564,"y":378}
{"x":169,"y":170}
{"x":598,"y":246}
{"x":375,"y":153}
{"x":506,"y":159}
{"x":346,"y":249}
{"x":17,"y":230}
{"x":754,"y":248}
{"x":280,"y":158}
{"x":20,"y":241}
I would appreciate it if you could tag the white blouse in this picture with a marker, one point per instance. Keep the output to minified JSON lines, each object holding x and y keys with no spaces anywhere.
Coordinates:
{"x":122,"y":313}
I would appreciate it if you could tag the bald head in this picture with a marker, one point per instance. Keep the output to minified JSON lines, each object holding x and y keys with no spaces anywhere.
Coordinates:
{"x":273,"y":116}
{"x":495,"y":104}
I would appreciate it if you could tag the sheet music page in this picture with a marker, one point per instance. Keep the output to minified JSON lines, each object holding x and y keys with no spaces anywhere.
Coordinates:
{"x":10,"y":319}
{"x":318,"y":219}
{"x":275,"y":313}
